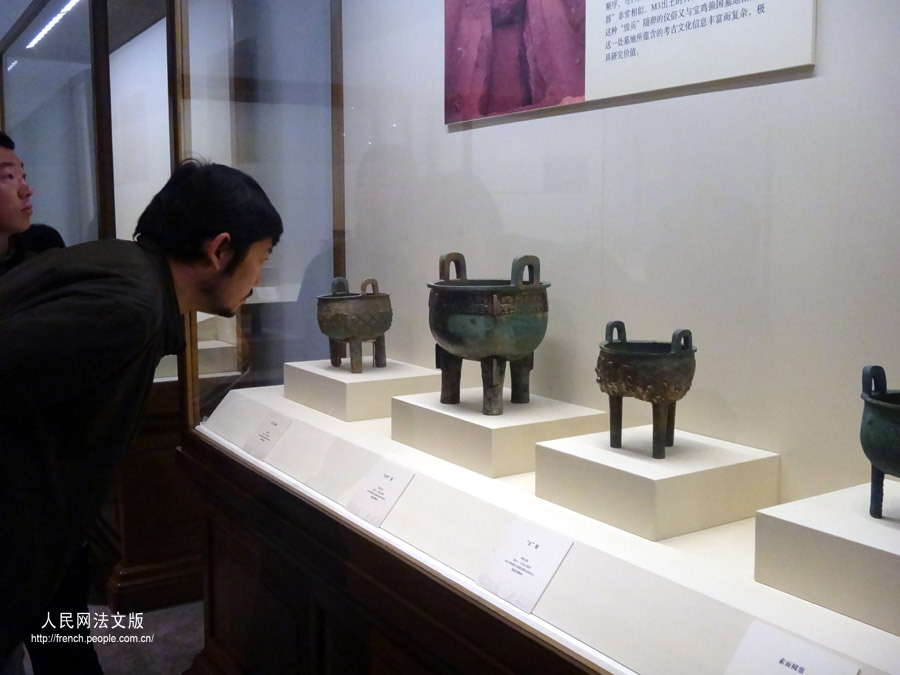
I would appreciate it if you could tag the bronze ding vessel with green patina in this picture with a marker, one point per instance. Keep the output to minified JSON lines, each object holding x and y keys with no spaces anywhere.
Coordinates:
{"x":493,"y":321}
{"x":879,"y":433}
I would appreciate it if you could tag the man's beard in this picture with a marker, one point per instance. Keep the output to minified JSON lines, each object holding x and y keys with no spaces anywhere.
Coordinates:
{"x":224,"y":312}
{"x":213,"y":306}
{"x":220,"y":310}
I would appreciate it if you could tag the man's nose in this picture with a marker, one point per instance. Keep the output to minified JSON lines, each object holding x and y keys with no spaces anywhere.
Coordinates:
{"x":26,"y":190}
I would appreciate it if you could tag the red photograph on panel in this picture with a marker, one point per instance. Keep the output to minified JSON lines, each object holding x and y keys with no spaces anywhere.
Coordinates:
{"x":504,"y":56}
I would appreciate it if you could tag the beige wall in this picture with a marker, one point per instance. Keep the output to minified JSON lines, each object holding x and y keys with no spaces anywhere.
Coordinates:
{"x":762,"y":217}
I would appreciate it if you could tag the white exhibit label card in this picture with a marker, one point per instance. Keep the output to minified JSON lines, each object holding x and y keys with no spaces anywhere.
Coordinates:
{"x":266,"y":435}
{"x":378,"y":491}
{"x":767,"y":650}
{"x":523,"y":562}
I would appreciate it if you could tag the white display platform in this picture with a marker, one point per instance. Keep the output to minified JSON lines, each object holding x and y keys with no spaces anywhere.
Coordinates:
{"x":216,"y":356}
{"x":830,"y":551}
{"x":350,"y":396}
{"x":617,"y":598}
{"x":167,"y":368}
{"x":702,"y":482}
{"x":213,"y":357}
{"x":492,"y":445}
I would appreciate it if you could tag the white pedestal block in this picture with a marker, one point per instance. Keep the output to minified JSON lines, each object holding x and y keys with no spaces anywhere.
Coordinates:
{"x":355,"y":396}
{"x":701,"y":483}
{"x":492,"y":445}
{"x":830,"y":551}
{"x":216,"y":356}
{"x":168,"y":367}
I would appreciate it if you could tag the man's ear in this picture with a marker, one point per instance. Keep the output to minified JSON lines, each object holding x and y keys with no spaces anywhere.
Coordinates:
{"x":217,"y":251}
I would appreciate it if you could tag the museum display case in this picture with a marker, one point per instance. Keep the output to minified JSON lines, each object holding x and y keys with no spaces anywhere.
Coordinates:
{"x":355,"y":513}
{"x":709,"y":173}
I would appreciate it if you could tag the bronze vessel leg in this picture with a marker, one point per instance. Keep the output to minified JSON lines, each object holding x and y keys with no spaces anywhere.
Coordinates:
{"x":615,"y":421}
{"x":660,"y":426}
{"x":670,"y":425}
{"x":520,"y":373}
{"x":355,"y":356}
{"x":876,"y":498}
{"x":451,"y":369}
{"x":334,"y":349}
{"x":379,"y":353}
{"x":493,"y":371}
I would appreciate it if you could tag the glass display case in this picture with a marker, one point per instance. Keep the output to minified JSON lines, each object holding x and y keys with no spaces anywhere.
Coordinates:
{"x":654,"y":552}
{"x":49,"y":106}
{"x":355,"y":522}
{"x":649,"y":208}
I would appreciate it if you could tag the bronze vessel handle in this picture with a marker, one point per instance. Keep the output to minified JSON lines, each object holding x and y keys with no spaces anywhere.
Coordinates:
{"x":517,"y":275}
{"x":369,"y":282}
{"x":874,"y":381}
{"x":444,"y":266}
{"x":681,"y":340}
{"x":611,"y":328}
{"x":339,"y":286}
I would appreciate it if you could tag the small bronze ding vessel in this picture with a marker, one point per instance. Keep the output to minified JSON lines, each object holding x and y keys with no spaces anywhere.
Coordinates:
{"x":354,"y":318}
{"x":657,"y":372}
{"x":879,"y":433}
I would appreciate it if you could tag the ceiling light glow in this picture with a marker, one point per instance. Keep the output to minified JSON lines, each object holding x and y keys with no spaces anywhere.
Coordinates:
{"x":51,"y":23}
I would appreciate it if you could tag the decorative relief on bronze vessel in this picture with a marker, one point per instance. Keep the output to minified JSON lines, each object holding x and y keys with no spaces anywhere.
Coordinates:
{"x":354,"y":318}
{"x":657,"y":372}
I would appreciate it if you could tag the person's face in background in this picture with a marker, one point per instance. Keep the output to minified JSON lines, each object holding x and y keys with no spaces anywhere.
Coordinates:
{"x":15,"y":195}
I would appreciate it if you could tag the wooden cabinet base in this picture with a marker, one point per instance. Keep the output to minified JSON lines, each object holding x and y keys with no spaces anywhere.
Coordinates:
{"x":146,"y":547}
{"x":145,"y":587}
{"x":292,"y":588}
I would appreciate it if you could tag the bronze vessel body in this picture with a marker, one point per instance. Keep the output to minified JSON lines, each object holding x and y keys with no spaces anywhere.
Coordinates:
{"x":657,"y":372}
{"x":354,"y":318}
{"x":493,"y":321}
{"x":879,"y":432}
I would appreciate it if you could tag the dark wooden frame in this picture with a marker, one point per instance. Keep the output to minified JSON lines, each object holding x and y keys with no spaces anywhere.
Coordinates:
{"x":106,"y":189}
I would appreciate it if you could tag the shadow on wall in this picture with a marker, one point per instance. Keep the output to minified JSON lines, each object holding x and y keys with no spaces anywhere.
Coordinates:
{"x":405,"y":221}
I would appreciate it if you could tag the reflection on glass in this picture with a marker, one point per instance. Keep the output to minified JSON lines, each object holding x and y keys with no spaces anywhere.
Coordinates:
{"x":260,"y":100}
{"x":49,"y":113}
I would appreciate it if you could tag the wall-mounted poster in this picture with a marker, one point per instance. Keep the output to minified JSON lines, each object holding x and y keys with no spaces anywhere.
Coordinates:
{"x":504,"y":56}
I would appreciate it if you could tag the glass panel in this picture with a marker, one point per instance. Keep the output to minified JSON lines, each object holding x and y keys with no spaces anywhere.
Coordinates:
{"x":260,"y":100}
{"x":47,"y":90}
{"x":139,"y":105}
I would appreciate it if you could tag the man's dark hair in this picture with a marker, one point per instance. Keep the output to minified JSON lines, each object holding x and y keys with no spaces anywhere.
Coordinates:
{"x":200,"y":201}
{"x":7,"y":142}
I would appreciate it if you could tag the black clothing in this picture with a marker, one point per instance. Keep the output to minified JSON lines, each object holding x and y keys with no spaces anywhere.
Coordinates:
{"x":26,"y":244}
{"x":71,"y":597}
{"x":82,"y":330}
